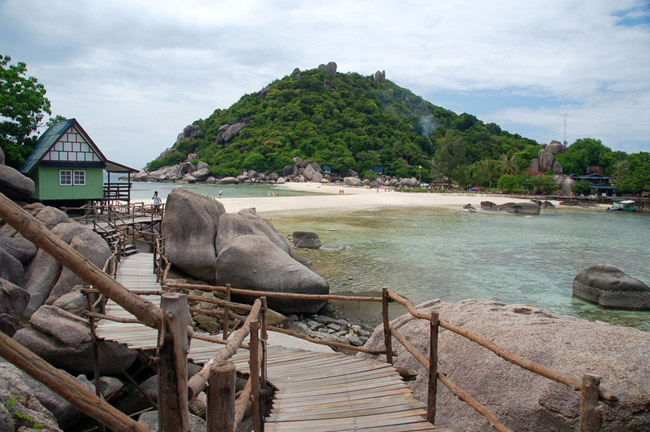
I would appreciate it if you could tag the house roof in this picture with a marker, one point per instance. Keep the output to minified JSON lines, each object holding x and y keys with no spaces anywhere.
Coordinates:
{"x":53,"y":134}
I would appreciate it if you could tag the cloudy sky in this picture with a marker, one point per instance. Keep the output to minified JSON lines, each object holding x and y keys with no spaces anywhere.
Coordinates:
{"x":135,"y":72}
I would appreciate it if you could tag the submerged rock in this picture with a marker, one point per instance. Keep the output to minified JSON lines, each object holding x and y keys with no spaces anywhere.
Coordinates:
{"x":607,"y":286}
{"x":522,"y":400}
{"x":307,"y":240}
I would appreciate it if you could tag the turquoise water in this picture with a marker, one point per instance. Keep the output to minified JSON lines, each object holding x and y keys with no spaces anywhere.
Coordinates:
{"x":456,"y":255}
{"x":453,"y":255}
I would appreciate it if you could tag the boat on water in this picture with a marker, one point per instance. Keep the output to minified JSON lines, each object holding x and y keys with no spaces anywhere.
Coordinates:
{"x":627,"y":205}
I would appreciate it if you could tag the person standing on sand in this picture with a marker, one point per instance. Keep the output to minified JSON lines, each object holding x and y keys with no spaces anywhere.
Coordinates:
{"x":157,"y":202}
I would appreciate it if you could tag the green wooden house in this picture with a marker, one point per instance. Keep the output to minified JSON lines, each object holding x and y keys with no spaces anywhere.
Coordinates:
{"x":68,"y":168}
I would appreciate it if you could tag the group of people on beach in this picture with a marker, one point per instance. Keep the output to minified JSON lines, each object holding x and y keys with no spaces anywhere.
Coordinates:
{"x":273,"y":193}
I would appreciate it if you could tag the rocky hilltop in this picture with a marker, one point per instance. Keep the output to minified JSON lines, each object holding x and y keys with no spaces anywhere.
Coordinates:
{"x":343,"y":122}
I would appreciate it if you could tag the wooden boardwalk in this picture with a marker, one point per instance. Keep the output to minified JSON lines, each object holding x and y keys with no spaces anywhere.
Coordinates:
{"x":317,"y":392}
{"x":135,"y":272}
{"x":322,"y":392}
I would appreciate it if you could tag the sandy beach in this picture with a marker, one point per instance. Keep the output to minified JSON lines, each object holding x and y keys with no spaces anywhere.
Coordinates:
{"x":330,"y":199}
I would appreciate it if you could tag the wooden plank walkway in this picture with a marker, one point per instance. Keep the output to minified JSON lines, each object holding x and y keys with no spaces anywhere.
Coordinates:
{"x":322,"y":392}
{"x":135,"y":272}
{"x":317,"y":392}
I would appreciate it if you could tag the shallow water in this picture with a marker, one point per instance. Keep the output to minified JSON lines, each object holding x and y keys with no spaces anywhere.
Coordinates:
{"x":455,"y":255}
{"x":145,"y":190}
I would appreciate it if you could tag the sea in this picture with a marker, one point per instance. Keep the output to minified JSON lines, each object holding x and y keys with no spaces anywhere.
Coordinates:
{"x":425,"y":253}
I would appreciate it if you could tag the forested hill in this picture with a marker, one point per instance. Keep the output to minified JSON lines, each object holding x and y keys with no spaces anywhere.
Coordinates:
{"x":346,"y":121}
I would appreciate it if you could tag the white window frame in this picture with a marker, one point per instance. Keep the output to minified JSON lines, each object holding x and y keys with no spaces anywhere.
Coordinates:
{"x":65,"y":177}
{"x":79,"y":177}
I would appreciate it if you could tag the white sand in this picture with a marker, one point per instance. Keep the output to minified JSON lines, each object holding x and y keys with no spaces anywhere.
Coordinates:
{"x":357,"y":199}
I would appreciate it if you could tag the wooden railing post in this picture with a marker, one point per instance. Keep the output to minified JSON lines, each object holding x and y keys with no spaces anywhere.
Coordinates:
{"x":226,"y":314}
{"x":433,"y":367}
{"x":173,"y":345}
{"x":387,"y":336}
{"x":264,"y":336}
{"x":221,"y":397}
{"x":590,"y":409}
{"x":255,"y":375}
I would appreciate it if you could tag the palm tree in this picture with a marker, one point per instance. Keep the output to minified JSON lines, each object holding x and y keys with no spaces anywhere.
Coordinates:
{"x":509,"y":165}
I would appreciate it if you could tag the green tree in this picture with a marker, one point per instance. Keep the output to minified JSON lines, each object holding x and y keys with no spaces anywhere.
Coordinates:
{"x":581,"y":187}
{"x":510,"y":165}
{"x":586,"y":153}
{"x":509,"y":183}
{"x":22,"y":106}
{"x":543,"y":183}
{"x":636,"y":177}
{"x":450,"y":155}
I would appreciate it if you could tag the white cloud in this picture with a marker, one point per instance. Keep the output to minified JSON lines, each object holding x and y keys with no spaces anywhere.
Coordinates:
{"x":136,"y":72}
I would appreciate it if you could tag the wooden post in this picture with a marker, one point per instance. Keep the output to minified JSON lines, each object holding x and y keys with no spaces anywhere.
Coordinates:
{"x":433,"y":367}
{"x":255,"y":375}
{"x":173,"y":345}
{"x":226,"y":314}
{"x":590,"y":409}
{"x":264,"y":336}
{"x":221,"y":397}
{"x":387,"y":337}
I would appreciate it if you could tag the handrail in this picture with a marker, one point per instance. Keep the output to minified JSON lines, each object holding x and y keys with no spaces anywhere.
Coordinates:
{"x":509,"y":356}
{"x":253,"y":293}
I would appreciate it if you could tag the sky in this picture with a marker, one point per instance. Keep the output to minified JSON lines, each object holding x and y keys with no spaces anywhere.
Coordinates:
{"x":134,"y":73}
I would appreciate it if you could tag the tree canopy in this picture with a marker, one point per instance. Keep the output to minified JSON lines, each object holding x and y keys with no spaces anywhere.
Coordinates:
{"x":22,"y":107}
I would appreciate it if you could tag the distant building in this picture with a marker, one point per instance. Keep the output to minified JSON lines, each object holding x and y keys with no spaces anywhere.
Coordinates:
{"x":599,"y":184}
{"x":68,"y":168}
{"x":378,"y":170}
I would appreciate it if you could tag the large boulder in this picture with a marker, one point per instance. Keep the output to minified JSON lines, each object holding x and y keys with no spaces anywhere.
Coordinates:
{"x":247,"y":222}
{"x":256,"y":263}
{"x":522,"y":400}
{"x":90,"y":245}
{"x":149,"y":419}
{"x":229,"y":131}
{"x":11,"y":269}
{"x":545,"y":160}
{"x":555,"y":147}
{"x":15,"y":185}
{"x":13,"y":299}
{"x":18,"y":247}
{"x":45,"y":272}
{"x":64,"y":340}
{"x":16,"y":397}
{"x":352,"y":181}
{"x":190,"y":225}
{"x":529,"y":208}
{"x":607,"y":286}
{"x":565,"y":183}
{"x":65,"y":412}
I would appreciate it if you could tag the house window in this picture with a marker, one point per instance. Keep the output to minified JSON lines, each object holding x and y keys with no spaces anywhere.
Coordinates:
{"x":65,"y":178}
{"x":79,"y":178}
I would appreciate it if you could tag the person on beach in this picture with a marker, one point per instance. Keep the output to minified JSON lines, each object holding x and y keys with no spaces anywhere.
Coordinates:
{"x":220,"y":193}
{"x":157,"y":202}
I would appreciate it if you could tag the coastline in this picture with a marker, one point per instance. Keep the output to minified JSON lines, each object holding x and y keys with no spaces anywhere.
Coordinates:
{"x":358,"y":198}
